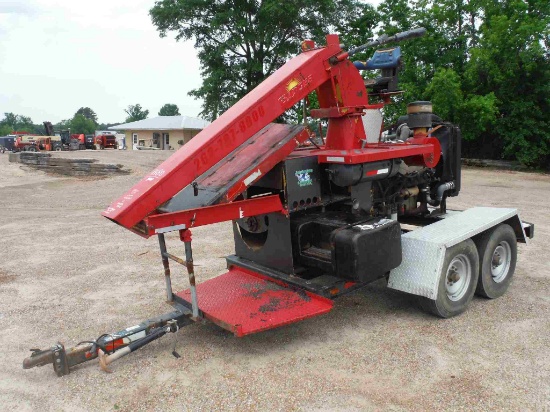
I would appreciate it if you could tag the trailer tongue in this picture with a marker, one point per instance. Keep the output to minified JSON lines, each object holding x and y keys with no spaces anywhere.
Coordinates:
{"x":313,"y":222}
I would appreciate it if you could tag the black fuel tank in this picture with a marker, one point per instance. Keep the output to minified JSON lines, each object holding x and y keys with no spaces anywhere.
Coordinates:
{"x":346,"y":245}
{"x":366,"y":252}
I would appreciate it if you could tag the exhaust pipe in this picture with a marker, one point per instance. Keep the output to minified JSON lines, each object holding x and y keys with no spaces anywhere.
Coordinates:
{"x":441,"y":189}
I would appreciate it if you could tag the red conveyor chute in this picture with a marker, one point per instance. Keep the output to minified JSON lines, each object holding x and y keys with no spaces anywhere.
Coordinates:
{"x":279,"y":92}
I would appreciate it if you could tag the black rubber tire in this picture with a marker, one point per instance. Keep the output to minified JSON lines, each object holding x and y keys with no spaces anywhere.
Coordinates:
{"x":486,"y":245}
{"x":58,"y":149}
{"x":443,"y":306}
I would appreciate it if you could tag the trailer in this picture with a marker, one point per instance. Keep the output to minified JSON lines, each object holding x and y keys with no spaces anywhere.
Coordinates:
{"x":7,"y":143}
{"x":313,"y":221}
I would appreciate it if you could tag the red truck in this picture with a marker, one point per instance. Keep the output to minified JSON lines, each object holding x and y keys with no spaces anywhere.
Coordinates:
{"x":105,"y":140}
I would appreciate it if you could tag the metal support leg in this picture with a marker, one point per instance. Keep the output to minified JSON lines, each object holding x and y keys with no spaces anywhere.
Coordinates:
{"x":166,"y":265}
{"x":185,"y":235}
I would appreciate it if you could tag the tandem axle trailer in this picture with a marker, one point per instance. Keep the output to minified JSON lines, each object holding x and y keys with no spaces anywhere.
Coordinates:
{"x":314,"y":215}
{"x":249,"y":299}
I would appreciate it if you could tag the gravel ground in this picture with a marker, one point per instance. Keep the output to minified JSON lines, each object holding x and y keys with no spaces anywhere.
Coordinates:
{"x":68,"y":274}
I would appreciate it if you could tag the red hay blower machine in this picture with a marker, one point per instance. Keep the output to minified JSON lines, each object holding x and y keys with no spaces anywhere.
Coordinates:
{"x":103,"y":141}
{"x":313,"y":222}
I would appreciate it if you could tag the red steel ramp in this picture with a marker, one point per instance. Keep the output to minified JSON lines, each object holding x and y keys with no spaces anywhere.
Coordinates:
{"x":245,"y":302}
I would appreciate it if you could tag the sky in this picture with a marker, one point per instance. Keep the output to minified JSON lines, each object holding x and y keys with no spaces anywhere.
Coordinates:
{"x":59,"y":55}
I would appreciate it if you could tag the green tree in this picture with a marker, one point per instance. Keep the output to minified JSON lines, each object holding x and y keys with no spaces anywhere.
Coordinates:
{"x":105,"y":126}
{"x":512,"y":60}
{"x":240,"y":43}
{"x":10,"y":120}
{"x":474,"y":113}
{"x":18,"y":122}
{"x":87,"y":113}
{"x":63,"y":124}
{"x":80,"y":124}
{"x":5,"y":129}
{"x":444,"y":91}
{"x":477,"y":115}
{"x":485,"y":64}
{"x":169,"y":110}
{"x":136,"y":112}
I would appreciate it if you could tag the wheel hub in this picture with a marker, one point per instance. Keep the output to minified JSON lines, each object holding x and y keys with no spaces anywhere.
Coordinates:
{"x":497,"y":259}
{"x":458,"y":277}
{"x":500,"y":262}
{"x":453,"y":276}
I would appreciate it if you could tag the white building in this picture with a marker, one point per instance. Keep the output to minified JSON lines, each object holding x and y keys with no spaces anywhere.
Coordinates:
{"x":162,"y":132}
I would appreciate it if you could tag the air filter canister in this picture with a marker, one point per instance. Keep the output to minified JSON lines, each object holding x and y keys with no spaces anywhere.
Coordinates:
{"x":419,"y":115}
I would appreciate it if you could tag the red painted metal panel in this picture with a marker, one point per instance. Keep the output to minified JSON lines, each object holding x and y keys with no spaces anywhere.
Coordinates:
{"x":373,"y":153}
{"x":214,"y":214}
{"x":246,"y":302}
{"x":288,"y":85}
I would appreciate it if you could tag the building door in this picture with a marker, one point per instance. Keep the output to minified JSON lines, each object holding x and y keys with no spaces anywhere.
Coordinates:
{"x":156,"y":141}
{"x":166,"y":140}
{"x":134,"y":141}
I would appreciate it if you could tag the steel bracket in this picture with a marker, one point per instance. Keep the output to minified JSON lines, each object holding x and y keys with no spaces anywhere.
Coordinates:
{"x":60,"y":364}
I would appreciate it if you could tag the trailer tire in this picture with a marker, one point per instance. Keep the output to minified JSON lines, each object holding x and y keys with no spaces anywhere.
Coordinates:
{"x":58,"y":149}
{"x":500,"y":243}
{"x":457,"y":282}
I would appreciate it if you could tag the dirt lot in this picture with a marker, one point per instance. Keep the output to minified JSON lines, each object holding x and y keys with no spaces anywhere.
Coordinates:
{"x":68,"y":274}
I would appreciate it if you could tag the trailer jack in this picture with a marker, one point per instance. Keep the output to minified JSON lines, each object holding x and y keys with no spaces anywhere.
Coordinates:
{"x":112,"y":346}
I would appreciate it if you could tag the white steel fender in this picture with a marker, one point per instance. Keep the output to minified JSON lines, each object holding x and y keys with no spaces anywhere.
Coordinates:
{"x":424,"y":248}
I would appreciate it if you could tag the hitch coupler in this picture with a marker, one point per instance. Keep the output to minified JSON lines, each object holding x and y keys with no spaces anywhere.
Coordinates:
{"x":110,"y":346}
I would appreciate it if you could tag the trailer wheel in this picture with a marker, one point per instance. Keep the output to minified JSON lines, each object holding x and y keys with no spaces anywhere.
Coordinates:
{"x":457,"y":282}
{"x":497,"y":261}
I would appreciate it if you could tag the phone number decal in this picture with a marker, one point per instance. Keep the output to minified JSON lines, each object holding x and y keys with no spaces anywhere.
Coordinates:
{"x":226,"y":143}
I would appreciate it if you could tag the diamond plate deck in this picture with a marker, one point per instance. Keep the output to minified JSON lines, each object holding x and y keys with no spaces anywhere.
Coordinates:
{"x":245,"y":302}
{"x":424,"y":249}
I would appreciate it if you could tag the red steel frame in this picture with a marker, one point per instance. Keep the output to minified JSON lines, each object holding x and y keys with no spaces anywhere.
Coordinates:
{"x":377,"y":152}
{"x":222,"y":212}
